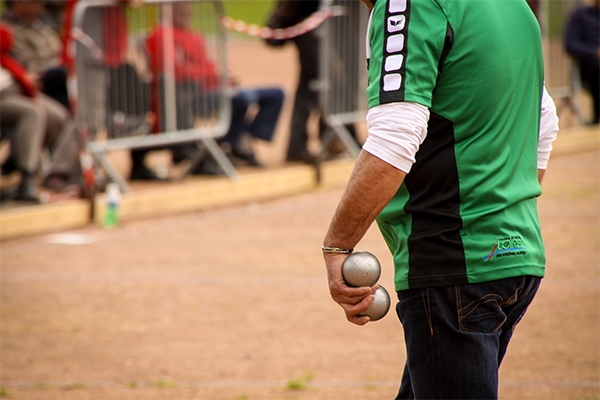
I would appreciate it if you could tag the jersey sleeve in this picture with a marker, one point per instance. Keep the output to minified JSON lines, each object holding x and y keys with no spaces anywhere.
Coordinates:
{"x":405,"y":43}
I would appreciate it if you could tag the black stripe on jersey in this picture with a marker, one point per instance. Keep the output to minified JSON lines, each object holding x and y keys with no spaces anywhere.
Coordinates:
{"x":448,"y":42}
{"x":435,"y":245}
{"x":394,"y":20}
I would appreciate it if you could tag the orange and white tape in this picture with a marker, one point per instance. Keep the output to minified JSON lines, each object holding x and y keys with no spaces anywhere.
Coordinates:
{"x":310,"y":23}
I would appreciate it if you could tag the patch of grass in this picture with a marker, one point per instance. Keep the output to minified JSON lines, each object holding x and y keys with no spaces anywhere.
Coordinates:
{"x":371,"y":386}
{"x":296,"y":385}
{"x":132,"y":385}
{"x":300,"y":383}
{"x":4,"y":393}
{"x":241,"y":397}
{"x":41,"y":386}
{"x":76,"y":385}
{"x":373,"y":383}
{"x":251,"y":11}
{"x":163,"y":384}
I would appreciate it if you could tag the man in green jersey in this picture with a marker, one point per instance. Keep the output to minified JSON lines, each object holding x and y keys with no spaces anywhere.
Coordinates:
{"x":460,"y":131}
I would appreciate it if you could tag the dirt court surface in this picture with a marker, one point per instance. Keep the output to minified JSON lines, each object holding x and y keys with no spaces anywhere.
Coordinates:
{"x":232,"y":303}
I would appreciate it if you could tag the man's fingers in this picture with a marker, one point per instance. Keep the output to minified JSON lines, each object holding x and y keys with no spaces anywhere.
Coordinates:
{"x":344,"y":294}
{"x":360,"y":321}
{"x":352,"y":310}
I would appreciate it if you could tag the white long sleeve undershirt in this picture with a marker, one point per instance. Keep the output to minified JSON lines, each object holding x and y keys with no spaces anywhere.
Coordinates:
{"x":396,"y":130}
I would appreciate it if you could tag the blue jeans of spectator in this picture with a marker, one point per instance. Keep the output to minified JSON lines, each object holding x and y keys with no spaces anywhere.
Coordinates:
{"x":457,"y":336}
{"x":268,"y":101}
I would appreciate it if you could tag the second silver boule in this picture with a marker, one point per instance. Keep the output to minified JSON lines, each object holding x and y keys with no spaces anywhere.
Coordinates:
{"x":380,"y":305}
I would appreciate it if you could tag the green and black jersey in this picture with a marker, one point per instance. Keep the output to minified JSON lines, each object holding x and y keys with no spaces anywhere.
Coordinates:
{"x":466,"y":212}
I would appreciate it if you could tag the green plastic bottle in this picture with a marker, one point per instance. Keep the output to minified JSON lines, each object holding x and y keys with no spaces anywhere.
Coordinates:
{"x":113,"y":200}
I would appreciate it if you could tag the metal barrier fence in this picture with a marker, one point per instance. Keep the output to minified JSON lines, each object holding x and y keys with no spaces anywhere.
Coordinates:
{"x":130,"y":92}
{"x":343,"y":72}
{"x":131,"y":95}
{"x":562,"y":75}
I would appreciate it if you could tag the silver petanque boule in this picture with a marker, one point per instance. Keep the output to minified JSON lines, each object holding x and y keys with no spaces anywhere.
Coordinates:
{"x":361,"y":269}
{"x":380,"y":305}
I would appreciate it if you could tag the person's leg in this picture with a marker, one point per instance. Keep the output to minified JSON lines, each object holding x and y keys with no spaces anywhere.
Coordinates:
{"x":137,"y":157}
{"x":590,"y":72}
{"x":65,"y":161}
{"x":28,"y":119}
{"x":595,"y":90}
{"x":298,"y":131}
{"x":57,"y":117}
{"x":405,"y":385}
{"x":63,"y":142}
{"x":516,"y":309}
{"x":29,"y":122}
{"x":443,"y":361}
{"x":456,"y":336}
{"x":306,"y":98}
{"x":270,"y":101}
{"x":239,"y":107}
{"x":139,"y":170}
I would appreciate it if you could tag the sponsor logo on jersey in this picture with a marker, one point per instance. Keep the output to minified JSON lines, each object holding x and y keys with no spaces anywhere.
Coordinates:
{"x":509,"y":246}
{"x":395,"y":45}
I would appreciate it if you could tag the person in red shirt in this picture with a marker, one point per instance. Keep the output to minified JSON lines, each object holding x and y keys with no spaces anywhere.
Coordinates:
{"x":197,"y":78}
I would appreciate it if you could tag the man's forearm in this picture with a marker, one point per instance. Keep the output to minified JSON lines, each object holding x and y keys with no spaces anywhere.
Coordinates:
{"x":372,"y":185}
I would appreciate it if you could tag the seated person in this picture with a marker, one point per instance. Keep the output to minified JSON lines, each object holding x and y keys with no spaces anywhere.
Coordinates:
{"x":196,"y":82}
{"x":35,"y":121}
{"x":37,"y":46}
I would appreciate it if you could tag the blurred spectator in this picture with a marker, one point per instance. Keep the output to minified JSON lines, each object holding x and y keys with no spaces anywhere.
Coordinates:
{"x":582,"y":42}
{"x":106,"y":48}
{"x":37,"y":46}
{"x":35,"y":121}
{"x":102,"y":68}
{"x":195,"y":74}
{"x":288,"y":13}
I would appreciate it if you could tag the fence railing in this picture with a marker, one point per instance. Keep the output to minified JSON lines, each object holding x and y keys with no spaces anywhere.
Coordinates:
{"x":131,"y":92}
{"x":343,"y":73}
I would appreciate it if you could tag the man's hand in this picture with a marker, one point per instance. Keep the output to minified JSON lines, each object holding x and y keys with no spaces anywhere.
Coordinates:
{"x":372,"y":184}
{"x":353,"y":300}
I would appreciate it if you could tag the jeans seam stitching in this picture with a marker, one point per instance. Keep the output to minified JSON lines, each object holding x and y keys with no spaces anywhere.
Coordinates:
{"x":478,"y":302}
{"x":427,"y":305}
{"x":515,"y":297}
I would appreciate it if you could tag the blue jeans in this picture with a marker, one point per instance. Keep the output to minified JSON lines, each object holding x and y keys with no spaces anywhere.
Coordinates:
{"x":456,"y":336}
{"x":268,"y":101}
